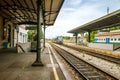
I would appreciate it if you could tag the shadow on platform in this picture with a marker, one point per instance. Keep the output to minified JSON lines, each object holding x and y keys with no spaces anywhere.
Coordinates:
{"x":8,"y":50}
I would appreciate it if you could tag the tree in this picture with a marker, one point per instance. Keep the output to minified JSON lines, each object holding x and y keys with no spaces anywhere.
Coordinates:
{"x":92,"y":36}
{"x":114,"y":28}
{"x":32,"y":35}
{"x":66,"y":37}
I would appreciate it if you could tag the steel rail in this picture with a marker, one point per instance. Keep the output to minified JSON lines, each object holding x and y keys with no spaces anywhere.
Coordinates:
{"x":95,"y":54}
{"x":85,"y":69}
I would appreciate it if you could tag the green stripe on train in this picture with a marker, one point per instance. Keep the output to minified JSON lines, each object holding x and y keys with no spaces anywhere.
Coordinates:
{"x":108,"y":43}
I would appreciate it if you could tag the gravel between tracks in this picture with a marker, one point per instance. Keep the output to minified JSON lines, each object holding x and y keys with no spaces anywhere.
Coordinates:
{"x":111,"y":68}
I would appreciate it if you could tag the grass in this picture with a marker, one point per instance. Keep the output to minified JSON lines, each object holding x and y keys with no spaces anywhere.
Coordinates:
{"x":83,"y":53}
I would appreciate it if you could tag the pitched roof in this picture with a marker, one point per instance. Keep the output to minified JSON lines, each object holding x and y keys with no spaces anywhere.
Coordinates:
{"x":25,"y":11}
{"x":107,"y":21}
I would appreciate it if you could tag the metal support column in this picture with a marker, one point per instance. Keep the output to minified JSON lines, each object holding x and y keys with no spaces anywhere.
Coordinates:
{"x":76,"y":37}
{"x":17,"y":30}
{"x":13,"y":36}
{"x":89,"y":36}
{"x":44,"y":35}
{"x":39,"y":31}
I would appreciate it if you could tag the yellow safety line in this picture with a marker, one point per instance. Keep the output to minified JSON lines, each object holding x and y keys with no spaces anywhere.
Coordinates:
{"x":53,"y":66}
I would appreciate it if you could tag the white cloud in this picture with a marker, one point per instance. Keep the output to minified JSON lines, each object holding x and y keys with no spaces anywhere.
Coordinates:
{"x":75,"y":2}
{"x":71,"y":17}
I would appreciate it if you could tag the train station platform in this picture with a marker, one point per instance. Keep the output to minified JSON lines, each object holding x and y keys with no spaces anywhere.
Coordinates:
{"x":15,"y":66}
{"x":115,"y":54}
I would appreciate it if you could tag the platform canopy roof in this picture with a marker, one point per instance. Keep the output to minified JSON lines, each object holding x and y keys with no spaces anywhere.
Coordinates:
{"x":25,"y":11}
{"x":107,"y":21}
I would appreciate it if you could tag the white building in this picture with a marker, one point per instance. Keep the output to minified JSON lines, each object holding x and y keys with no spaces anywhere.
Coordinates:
{"x":22,"y":35}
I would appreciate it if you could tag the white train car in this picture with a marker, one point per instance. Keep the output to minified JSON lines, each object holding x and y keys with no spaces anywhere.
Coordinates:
{"x":112,"y":37}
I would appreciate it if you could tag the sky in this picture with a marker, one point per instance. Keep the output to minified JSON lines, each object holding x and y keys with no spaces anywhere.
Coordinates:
{"x":75,"y":13}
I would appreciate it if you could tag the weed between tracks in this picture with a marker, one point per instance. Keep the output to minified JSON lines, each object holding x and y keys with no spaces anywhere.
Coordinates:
{"x":83,"y":52}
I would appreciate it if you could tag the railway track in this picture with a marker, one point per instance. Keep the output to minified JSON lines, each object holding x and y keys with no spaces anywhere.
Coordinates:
{"x":105,"y":57}
{"x":86,"y":70}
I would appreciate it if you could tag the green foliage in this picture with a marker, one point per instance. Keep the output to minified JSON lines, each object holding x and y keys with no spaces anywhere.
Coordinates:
{"x":83,"y":52}
{"x":32,"y":35}
{"x":114,"y":28}
{"x":92,"y":35}
{"x":66,"y":37}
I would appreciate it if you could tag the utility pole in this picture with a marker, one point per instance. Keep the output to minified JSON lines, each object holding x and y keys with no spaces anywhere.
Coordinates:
{"x":107,"y":10}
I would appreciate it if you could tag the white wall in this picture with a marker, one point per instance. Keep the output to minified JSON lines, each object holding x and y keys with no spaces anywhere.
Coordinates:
{"x":101,"y":46}
{"x":22,"y":35}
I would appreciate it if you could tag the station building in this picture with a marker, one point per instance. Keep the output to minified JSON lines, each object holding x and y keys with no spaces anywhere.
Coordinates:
{"x":22,"y":35}
{"x":10,"y":35}
{"x":42,"y":13}
{"x":7,"y":32}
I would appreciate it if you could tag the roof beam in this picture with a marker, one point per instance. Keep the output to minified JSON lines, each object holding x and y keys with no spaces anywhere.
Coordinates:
{"x":33,"y":7}
{"x":27,"y":22}
{"x":32,"y":4}
{"x":22,"y":6}
{"x":50,"y":9}
{"x":29,"y":10}
{"x":12,"y":8}
{"x":18,"y":8}
{"x":50,"y":12}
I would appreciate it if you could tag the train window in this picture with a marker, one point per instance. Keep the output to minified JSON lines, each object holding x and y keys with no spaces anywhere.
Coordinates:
{"x":119,"y":39}
{"x":115,"y":39}
{"x":111,"y":39}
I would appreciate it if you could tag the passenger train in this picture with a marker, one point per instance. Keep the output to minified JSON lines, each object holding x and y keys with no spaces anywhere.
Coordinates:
{"x":112,"y":37}
{"x":58,"y":40}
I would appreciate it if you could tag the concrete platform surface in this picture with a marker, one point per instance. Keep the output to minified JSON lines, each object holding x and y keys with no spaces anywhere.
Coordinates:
{"x":15,"y":66}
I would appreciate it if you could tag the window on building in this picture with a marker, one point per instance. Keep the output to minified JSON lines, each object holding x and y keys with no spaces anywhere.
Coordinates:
{"x":21,"y":37}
